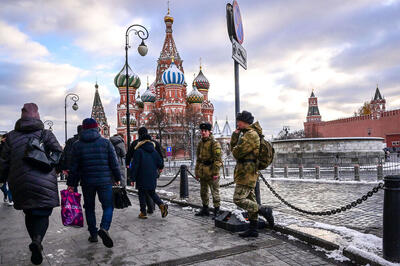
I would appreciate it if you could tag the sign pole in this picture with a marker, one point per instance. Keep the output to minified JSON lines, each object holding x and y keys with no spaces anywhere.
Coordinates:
{"x":237,"y":94}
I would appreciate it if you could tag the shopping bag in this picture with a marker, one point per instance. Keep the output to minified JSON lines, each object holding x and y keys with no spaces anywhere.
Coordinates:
{"x":71,"y":210}
{"x":120,"y":198}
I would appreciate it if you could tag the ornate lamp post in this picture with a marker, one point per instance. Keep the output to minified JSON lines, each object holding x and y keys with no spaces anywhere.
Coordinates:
{"x":74,"y":97}
{"x":49,"y":123}
{"x":143,"y":34}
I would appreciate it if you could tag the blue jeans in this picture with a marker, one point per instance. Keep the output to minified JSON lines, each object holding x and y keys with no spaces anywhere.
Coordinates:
{"x":104,"y":193}
{"x":6,"y":192}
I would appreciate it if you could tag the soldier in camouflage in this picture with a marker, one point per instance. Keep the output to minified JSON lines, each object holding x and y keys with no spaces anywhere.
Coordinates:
{"x":245,"y":145}
{"x":208,"y":164}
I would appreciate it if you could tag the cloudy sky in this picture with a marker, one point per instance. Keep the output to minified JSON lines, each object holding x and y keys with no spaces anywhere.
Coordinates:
{"x":342,"y":49}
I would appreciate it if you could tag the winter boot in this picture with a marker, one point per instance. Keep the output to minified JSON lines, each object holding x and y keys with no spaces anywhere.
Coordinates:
{"x":142,"y":215}
{"x":216,"y":211}
{"x":252,"y":231}
{"x":164,"y":210}
{"x":266,"y":212}
{"x":93,"y":239}
{"x":203,"y":212}
{"x":36,"y":248}
{"x":105,"y":237}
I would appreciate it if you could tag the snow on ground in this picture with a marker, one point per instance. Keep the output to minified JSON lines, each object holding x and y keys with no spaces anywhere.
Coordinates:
{"x":371,"y":256}
{"x":322,"y":181}
{"x":239,"y":216}
{"x":168,"y":193}
{"x":333,"y":254}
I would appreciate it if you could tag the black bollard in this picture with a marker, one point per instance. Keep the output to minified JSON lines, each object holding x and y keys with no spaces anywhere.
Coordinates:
{"x":184,"y":188}
{"x":258,"y":197}
{"x":391,"y":219}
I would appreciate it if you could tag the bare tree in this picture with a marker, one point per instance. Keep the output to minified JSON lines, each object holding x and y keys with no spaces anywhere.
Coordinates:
{"x":286,"y":134}
{"x":159,"y":121}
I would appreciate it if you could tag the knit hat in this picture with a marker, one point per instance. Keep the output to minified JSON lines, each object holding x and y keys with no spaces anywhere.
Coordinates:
{"x":246,"y":117}
{"x":142,"y":131}
{"x":205,"y":126}
{"x":89,"y":123}
{"x":30,"y":110}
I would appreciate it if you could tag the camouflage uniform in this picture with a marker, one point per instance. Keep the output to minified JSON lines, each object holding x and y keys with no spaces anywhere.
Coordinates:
{"x":245,"y":149}
{"x":208,"y":165}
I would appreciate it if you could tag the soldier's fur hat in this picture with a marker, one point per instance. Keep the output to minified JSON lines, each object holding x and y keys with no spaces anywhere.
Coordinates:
{"x":246,"y":117}
{"x":205,"y":126}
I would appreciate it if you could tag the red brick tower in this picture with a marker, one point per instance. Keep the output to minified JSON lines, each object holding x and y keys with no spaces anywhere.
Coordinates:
{"x":378,"y":104}
{"x":99,"y":115}
{"x":313,"y":117}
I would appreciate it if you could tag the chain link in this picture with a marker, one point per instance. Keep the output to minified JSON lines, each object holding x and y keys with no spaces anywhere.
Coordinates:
{"x":223,"y":185}
{"x":170,"y":182}
{"x":328,"y":212}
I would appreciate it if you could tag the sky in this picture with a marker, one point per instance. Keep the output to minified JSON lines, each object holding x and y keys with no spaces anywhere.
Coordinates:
{"x":342,"y":49}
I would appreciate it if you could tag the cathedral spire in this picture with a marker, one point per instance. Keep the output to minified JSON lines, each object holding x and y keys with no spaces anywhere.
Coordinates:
{"x":98,"y":113}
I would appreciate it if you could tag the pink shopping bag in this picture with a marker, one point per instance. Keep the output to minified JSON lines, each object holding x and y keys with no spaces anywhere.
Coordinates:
{"x":71,"y":210}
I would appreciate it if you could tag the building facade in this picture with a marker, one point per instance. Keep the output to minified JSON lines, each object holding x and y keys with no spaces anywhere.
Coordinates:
{"x":168,"y":92}
{"x":378,"y":123}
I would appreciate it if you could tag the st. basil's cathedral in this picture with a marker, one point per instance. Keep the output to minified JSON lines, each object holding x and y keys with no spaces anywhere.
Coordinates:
{"x":168,"y":91}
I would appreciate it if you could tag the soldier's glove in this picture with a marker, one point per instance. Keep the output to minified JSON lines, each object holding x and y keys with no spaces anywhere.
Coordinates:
{"x":215,"y":177}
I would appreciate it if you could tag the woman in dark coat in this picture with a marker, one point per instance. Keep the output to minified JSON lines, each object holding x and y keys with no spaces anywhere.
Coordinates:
{"x":35,"y":192}
{"x":146,"y":165}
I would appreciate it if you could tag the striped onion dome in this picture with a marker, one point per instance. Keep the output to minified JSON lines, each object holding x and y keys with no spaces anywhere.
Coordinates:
{"x":202,"y":81}
{"x":139,"y":101}
{"x":120,"y":79}
{"x":173,"y":75}
{"x":195,"y":96}
{"x":148,"y":96}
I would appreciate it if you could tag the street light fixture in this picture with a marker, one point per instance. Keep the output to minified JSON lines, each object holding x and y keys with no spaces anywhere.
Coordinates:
{"x":74,"y":97}
{"x":143,"y":34}
{"x":49,"y":123}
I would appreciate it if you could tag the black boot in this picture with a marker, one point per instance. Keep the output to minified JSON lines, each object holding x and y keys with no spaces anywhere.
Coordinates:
{"x":203,"y":212}
{"x":266,"y":212}
{"x":252,"y":231}
{"x":36,"y":248}
{"x":216,"y":211}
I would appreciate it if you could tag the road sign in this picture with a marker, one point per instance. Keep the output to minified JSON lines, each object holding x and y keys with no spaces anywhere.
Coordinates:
{"x":239,"y":54}
{"x":237,"y":21}
{"x":169,"y":151}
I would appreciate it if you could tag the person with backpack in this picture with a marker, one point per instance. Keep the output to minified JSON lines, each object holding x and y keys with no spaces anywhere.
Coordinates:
{"x":207,"y":169}
{"x":245,"y":147}
{"x":145,"y":169}
{"x":34,"y":189}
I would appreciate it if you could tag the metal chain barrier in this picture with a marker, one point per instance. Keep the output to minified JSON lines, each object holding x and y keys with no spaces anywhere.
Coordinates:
{"x":223,"y":185}
{"x":170,"y":182}
{"x":328,"y":212}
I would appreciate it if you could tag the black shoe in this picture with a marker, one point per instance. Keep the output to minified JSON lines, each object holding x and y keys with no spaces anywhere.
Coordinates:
{"x":252,"y":231}
{"x":105,"y":237}
{"x":216,"y":212}
{"x":93,"y":239}
{"x":36,"y":248}
{"x":203,"y":212}
{"x":150,"y":211}
{"x":266,"y":212}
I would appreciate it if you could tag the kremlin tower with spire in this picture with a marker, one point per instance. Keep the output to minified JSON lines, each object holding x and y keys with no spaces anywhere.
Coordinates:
{"x":99,"y":115}
{"x":167,"y":93}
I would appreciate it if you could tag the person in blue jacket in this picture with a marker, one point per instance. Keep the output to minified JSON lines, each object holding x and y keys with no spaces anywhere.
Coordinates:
{"x":95,"y":166}
{"x":147,"y":163}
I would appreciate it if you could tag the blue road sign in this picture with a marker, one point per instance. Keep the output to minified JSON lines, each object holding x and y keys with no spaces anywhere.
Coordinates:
{"x":237,"y":21}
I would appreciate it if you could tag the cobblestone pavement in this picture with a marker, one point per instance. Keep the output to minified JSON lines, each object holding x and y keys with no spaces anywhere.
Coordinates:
{"x":181,"y":238}
{"x":313,"y":196}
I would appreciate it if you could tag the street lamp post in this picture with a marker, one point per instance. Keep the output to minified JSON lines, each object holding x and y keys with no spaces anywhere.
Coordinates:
{"x":75,"y":107}
{"x":49,"y":123}
{"x":143,"y":34}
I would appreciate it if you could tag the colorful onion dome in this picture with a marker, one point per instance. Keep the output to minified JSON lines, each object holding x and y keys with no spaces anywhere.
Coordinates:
{"x":173,"y":75}
{"x":120,"y":79}
{"x":148,"y":96}
{"x":139,"y":101}
{"x":202,"y":81}
{"x":195,"y":96}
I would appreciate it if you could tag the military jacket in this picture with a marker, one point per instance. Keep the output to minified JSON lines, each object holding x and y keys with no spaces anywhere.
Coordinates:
{"x":245,"y":149}
{"x":209,"y":160}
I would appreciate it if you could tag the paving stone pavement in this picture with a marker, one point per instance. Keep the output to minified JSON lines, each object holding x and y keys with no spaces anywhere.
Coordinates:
{"x":171,"y":241}
{"x":312,"y":196}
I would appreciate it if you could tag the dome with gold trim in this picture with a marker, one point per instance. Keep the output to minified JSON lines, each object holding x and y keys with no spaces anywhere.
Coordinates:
{"x":173,"y":75}
{"x":148,"y":96}
{"x":168,"y":18}
{"x":201,"y":81}
{"x":120,"y":79}
{"x":195,"y":96}
{"x":139,"y":101}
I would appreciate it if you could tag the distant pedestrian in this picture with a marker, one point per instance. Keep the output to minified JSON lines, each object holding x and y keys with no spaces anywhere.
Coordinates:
{"x":245,"y":146}
{"x":66,"y":158}
{"x":119,"y":146}
{"x":207,"y":169}
{"x":142,"y":131}
{"x":7,"y":199}
{"x":96,"y":167}
{"x":34,"y":191}
{"x":146,"y":165}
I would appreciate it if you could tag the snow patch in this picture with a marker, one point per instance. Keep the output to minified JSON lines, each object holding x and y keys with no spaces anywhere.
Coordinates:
{"x":333,"y":254}
{"x":168,"y":193}
{"x":370,"y":256}
{"x":239,"y":216}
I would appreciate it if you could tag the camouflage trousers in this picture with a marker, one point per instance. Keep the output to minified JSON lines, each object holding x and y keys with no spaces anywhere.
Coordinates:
{"x":204,"y":192}
{"x":245,"y":198}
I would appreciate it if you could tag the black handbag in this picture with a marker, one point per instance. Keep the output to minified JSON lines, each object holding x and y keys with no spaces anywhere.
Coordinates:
{"x":120,"y":198}
{"x":36,"y":156}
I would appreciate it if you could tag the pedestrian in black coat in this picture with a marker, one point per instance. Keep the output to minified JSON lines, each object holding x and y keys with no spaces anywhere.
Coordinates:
{"x":145,"y":170}
{"x":35,"y":192}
